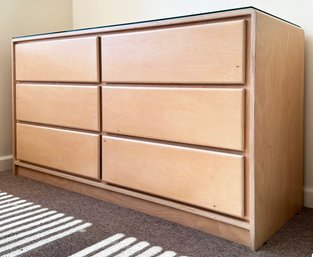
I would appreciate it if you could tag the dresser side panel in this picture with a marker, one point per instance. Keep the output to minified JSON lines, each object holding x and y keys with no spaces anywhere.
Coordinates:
{"x":278,"y":122}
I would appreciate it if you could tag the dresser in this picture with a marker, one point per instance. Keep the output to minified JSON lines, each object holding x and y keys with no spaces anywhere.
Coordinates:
{"x":195,"y":119}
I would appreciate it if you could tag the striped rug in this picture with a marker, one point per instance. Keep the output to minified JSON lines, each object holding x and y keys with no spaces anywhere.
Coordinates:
{"x":26,"y":226}
{"x":121,"y":246}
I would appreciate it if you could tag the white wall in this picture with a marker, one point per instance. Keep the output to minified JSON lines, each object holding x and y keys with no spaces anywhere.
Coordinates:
{"x":20,"y":17}
{"x":89,"y":13}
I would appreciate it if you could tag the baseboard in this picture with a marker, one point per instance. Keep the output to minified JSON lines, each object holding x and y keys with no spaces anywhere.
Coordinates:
{"x":6,"y":162}
{"x":308,"y":197}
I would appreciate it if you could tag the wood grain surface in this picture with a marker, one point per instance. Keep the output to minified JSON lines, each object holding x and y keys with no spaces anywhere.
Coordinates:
{"x":206,"y":53}
{"x":278,"y":125}
{"x":200,"y":116}
{"x":61,"y":60}
{"x":61,"y":105}
{"x":203,"y":178}
{"x":75,"y":152}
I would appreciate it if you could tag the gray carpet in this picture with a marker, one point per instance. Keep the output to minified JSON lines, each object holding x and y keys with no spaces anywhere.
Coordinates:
{"x":295,"y":239}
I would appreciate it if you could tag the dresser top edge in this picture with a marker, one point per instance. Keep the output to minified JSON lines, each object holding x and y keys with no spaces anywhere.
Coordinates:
{"x":214,"y":15}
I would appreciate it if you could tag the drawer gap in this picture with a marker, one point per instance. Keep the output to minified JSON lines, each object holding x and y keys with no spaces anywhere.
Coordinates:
{"x":171,"y":143}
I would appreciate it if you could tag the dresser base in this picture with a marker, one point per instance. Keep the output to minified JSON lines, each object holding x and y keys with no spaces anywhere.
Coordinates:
{"x":214,"y":227}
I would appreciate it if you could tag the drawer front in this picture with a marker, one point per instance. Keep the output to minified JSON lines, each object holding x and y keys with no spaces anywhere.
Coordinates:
{"x":207,"y":53}
{"x":71,"y":60}
{"x":66,"y":150}
{"x":211,"y":117}
{"x":68,"y":106}
{"x":202,"y":178}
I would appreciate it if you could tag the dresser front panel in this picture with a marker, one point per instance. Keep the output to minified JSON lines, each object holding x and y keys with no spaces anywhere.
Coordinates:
{"x":70,"y":151}
{"x":205,"y":53}
{"x":61,"y":60}
{"x":200,"y":116}
{"x":206,"y":179}
{"x":61,"y":105}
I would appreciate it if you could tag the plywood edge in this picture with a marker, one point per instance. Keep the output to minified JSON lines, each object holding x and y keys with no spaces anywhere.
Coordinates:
{"x":57,"y":84}
{"x":244,"y":52}
{"x":13,"y":77}
{"x":91,"y":37}
{"x":251,"y":135}
{"x":214,"y":227}
{"x":175,"y":145}
{"x":21,"y":123}
{"x":243,"y":117}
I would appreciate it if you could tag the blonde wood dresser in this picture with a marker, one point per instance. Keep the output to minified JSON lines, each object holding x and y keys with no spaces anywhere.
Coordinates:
{"x":195,"y":119}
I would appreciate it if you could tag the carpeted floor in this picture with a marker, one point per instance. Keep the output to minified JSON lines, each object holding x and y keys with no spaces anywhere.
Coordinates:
{"x":295,"y":239}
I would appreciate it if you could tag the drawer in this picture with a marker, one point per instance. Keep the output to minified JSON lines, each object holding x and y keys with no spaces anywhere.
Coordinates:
{"x":201,"y":178}
{"x":71,"y":60}
{"x":65,"y":150}
{"x":201,"y":116}
{"x":206,"y":53}
{"x":68,"y":106}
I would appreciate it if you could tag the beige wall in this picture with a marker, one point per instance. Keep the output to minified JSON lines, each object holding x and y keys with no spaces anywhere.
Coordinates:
{"x":20,"y":17}
{"x":88,"y":13}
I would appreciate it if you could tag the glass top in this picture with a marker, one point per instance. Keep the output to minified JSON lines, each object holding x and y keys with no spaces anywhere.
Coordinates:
{"x":144,"y":21}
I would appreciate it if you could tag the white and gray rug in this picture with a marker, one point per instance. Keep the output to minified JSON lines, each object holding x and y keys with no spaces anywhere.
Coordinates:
{"x":38,"y":220}
{"x":26,"y":226}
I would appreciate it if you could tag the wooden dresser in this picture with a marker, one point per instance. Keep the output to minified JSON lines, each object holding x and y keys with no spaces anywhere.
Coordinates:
{"x":195,"y":119}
